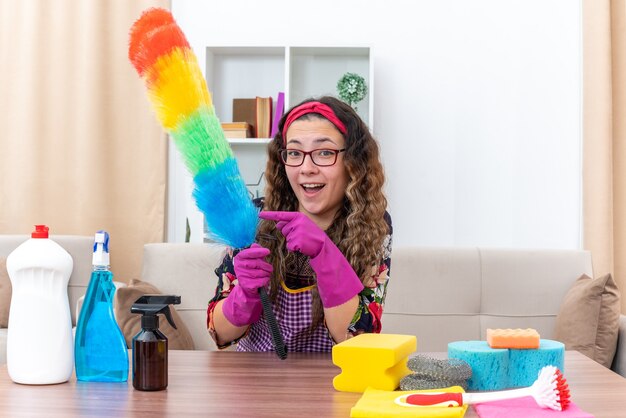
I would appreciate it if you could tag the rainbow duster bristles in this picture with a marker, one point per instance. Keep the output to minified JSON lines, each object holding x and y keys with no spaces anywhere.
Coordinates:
{"x":162,"y":56}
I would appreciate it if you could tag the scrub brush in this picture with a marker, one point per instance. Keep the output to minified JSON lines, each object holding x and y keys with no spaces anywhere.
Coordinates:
{"x":550,"y":390}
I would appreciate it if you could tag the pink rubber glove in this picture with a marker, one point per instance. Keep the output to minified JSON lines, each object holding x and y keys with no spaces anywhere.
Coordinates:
{"x":243,"y":304}
{"x":336,"y":280}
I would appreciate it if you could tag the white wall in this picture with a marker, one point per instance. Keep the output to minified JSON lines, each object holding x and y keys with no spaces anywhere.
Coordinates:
{"x":477,"y":106}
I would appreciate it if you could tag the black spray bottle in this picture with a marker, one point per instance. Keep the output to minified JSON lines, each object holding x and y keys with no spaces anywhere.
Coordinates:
{"x":150,"y":345}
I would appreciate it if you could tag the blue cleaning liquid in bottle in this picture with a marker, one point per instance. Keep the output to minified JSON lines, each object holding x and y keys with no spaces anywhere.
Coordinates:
{"x":100,"y":349}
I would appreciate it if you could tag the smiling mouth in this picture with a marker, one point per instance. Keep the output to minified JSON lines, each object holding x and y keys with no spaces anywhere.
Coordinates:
{"x":312,"y":187}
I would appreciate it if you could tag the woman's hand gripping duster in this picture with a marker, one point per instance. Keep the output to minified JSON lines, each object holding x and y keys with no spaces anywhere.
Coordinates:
{"x":243,"y":305}
{"x":336,"y":280}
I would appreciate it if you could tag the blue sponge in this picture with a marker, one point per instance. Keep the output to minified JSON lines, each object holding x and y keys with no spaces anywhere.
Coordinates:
{"x":501,"y":368}
{"x":525,"y":364}
{"x":490,"y":366}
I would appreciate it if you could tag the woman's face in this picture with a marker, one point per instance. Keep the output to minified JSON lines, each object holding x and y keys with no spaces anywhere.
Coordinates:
{"x":319,"y":190}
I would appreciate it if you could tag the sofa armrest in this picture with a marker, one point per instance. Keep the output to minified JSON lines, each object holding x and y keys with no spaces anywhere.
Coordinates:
{"x":619,"y":361}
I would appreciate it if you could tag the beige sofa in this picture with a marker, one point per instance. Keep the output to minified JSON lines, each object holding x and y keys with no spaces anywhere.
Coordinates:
{"x":438,"y":294}
{"x":79,"y":247}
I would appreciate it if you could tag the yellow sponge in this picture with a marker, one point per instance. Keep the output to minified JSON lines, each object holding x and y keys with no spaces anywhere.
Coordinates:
{"x":384,"y":404}
{"x":372,"y":360}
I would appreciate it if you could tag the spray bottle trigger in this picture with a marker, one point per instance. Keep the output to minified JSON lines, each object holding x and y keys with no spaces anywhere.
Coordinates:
{"x":168,"y":315}
{"x":152,"y":305}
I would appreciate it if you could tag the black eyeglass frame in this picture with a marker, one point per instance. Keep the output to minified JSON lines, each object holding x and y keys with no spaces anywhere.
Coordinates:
{"x":283,"y":155}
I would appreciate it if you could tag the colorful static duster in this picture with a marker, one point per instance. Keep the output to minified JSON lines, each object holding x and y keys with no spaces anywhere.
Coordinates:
{"x":162,"y":56}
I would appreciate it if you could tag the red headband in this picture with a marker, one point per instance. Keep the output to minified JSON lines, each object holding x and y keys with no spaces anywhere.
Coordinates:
{"x":313,"y":107}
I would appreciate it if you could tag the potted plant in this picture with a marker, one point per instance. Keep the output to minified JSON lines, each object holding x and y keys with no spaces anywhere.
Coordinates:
{"x":352,"y":89}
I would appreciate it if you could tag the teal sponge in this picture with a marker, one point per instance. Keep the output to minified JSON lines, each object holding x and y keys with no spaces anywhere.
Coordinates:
{"x":501,"y":368}
{"x":526,"y":364}
{"x":490,"y":366}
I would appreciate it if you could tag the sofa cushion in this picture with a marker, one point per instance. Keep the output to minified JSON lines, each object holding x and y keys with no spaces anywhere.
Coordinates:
{"x":619,"y":361}
{"x":188,"y":270}
{"x":588,"y":319}
{"x":178,"y":338}
{"x":5,"y":293}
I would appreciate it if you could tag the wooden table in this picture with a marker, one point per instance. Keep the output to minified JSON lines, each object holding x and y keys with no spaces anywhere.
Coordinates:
{"x":230,"y":384}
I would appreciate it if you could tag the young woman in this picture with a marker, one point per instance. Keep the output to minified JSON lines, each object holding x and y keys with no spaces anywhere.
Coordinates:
{"x":324,"y":241}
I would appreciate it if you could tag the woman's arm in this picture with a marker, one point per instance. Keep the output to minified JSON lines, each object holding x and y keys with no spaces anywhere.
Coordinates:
{"x":224,"y":333}
{"x":234,"y":308}
{"x":363,"y":313}
{"x":338,"y":318}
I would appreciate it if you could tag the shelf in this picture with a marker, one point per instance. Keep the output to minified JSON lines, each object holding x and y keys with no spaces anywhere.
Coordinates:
{"x":243,"y":72}
{"x":300,"y":72}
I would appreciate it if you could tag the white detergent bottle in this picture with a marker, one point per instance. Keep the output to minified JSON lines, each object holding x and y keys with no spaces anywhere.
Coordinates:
{"x":40,"y":348}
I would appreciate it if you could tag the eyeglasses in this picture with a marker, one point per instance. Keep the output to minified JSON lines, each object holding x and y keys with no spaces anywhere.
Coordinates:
{"x":320,"y":157}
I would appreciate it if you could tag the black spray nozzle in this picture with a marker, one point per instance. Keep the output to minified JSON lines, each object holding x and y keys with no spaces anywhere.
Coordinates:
{"x":152,"y":305}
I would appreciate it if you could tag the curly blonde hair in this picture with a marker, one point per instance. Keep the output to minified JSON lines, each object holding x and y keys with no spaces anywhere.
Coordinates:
{"x":359,"y":228}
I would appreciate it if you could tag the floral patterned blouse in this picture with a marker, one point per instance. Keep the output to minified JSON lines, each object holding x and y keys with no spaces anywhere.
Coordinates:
{"x":299,"y":279}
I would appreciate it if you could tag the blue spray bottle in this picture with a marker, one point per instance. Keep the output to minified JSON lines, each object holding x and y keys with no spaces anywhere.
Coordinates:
{"x":100,"y":348}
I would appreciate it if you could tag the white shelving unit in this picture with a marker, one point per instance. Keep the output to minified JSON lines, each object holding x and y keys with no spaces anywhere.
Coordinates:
{"x":247,"y":72}
{"x":314,"y":71}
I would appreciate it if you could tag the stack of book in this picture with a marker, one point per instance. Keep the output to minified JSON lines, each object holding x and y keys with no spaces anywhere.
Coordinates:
{"x":263,"y":117}
{"x":257,"y":113}
{"x":237,"y":129}
{"x":244,"y":110}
